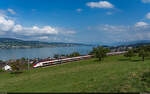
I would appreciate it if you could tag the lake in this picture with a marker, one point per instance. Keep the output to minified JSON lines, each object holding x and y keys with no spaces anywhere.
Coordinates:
{"x":6,"y":54}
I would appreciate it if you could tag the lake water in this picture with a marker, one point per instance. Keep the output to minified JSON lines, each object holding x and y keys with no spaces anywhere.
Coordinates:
{"x":6,"y":54}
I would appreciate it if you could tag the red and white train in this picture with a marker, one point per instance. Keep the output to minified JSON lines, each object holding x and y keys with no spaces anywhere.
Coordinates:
{"x":60,"y":61}
{"x":64,"y":60}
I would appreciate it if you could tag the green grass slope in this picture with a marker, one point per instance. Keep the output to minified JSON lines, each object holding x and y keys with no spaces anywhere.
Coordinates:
{"x":114,"y":74}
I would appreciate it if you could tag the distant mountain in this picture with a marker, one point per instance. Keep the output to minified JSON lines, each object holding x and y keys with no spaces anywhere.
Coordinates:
{"x":132,"y":43}
{"x":17,"y":43}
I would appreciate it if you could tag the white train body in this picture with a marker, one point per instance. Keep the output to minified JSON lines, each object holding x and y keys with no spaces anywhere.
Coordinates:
{"x":64,"y":60}
{"x":59,"y":61}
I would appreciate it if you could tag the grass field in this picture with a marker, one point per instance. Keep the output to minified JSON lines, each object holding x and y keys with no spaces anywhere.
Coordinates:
{"x":114,"y":74}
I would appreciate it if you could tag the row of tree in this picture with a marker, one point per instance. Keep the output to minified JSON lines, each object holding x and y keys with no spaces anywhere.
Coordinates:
{"x":74,"y":54}
{"x":143,"y":51}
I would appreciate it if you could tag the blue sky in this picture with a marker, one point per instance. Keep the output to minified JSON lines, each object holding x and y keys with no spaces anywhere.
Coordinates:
{"x":83,"y":21}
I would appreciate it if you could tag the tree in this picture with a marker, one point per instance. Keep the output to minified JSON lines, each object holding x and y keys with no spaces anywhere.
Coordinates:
{"x":130,"y":54}
{"x":93,"y":51}
{"x":74,"y":54}
{"x":23,"y":59}
{"x":16,"y":66}
{"x":143,"y":54}
{"x":100,"y":52}
{"x":56,"y":56}
{"x":62,"y":55}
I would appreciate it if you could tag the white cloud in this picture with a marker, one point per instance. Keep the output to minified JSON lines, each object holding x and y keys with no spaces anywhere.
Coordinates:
{"x":128,"y":33}
{"x":148,"y":15}
{"x":109,"y":13}
{"x":65,"y":31}
{"x":43,"y":37}
{"x":11,"y":11}
{"x":112,"y":28}
{"x":141,"y":24}
{"x":100,"y":4}
{"x":2,"y":13}
{"x":9,"y":25}
{"x":17,"y":28}
{"x":35,"y":30}
{"x":6,"y":24}
{"x":79,"y":10}
{"x":69,"y":32}
{"x":33,"y":10}
{"x":146,"y":1}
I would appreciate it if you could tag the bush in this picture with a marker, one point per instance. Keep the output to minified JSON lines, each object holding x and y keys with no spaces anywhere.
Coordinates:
{"x":18,"y":66}
{"x":74,"y":54}
{"x":130,"y":54}
{"x":146,"y":78}
{"x":1,"y":70}
{"x":56,"y":56}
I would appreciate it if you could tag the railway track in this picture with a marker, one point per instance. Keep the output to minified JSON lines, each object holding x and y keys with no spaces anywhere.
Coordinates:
{"x":67,"y":60}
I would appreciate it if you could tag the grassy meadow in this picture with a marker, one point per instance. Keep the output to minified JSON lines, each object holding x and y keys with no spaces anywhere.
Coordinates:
{"x":113,"y":74}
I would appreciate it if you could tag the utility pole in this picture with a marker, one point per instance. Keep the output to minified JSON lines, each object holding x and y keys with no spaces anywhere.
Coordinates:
{"x":28,"y":64}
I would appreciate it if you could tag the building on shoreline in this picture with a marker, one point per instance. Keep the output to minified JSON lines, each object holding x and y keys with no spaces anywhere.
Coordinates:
{"x":7,"y":68}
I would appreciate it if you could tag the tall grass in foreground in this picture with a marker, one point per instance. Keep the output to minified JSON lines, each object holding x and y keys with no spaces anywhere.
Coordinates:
{"x":113,"y":74}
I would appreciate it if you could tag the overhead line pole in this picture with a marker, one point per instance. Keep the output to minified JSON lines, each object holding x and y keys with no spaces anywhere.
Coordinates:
{"x":28,"y":64}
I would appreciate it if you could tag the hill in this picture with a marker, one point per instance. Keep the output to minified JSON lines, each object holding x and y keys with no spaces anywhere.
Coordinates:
{"x":114,"y":74}
{"x":132,"y":43}
{"x":17,"y":43}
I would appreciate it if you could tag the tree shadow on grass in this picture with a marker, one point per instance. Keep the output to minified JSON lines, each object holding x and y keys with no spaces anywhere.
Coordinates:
{"x":130,"y":60}
{"x":147,"y":58}
{"x":145,"y":78}
{"x":98,"y":61}
{"x":137,"y":60}
{"x":124,"y":59}
{"x":16,"y":72}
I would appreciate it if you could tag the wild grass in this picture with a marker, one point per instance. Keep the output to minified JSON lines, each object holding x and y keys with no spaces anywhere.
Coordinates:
{"x":113,"y":74}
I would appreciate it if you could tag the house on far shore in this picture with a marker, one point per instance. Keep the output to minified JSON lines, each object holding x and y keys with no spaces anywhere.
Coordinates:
{"x":7,"y":67}
{"x":116,"y":53}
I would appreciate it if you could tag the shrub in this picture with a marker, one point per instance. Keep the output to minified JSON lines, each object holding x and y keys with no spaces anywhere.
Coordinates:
{"x":74,"y":54}
{"x":56,"y":56}
{"x":1,"y":70}
{"x":130,"y":54}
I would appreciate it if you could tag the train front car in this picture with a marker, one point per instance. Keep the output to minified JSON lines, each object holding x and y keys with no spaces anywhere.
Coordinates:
{"x":38,"y":64}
